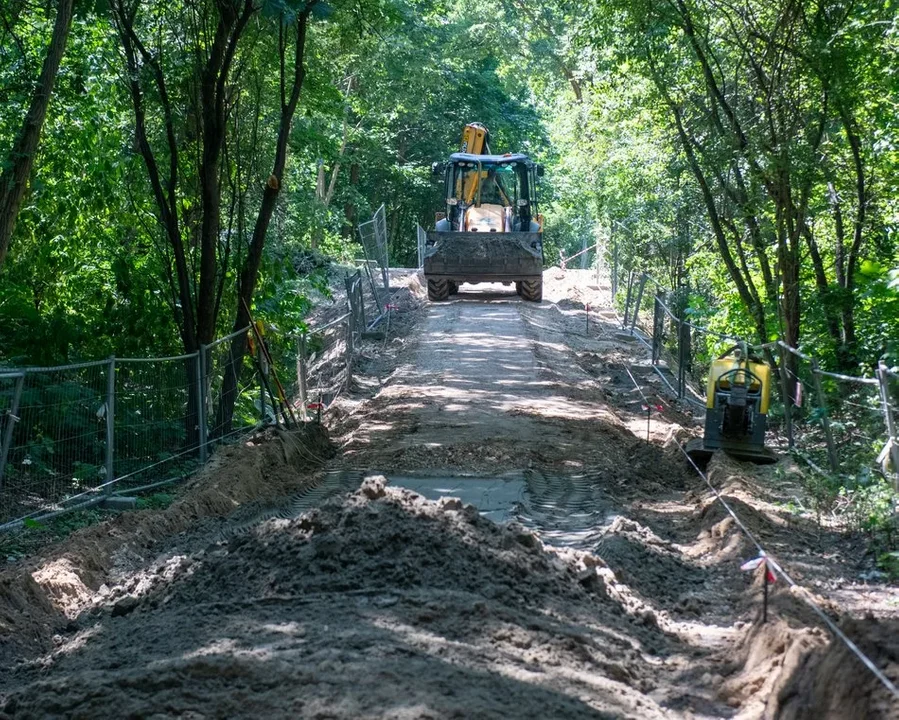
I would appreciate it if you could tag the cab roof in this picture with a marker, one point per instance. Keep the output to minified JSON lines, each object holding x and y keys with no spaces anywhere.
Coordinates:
{"x":492,"y":159}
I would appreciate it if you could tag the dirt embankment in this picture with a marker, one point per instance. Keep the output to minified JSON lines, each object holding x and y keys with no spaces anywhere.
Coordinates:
{"x":40,"y":597}
{"x":381,"y":604}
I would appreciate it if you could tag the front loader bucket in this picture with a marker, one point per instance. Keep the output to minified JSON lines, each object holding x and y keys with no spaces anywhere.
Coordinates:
{"x":484,"y":257}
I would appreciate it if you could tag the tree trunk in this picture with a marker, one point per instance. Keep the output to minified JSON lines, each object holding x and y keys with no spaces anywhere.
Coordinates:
{"x":250,"y":271}
{"x":349,"y":208}
{"x":14,"y":179}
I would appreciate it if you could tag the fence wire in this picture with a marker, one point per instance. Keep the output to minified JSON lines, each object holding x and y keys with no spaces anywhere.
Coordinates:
{"x":70,"y":435}
{"x":231,"y":372}
{"x":156,"y":417}
{"x":57,"y":437}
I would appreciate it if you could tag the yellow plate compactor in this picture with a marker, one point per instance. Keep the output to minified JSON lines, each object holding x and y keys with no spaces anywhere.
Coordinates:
{"x":737,"y":397}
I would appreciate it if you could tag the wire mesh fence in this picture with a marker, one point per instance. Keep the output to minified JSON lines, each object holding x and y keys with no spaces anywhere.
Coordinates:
{"x":55,"y":442}
{"x":155,"y":418}
{"x":232,"y":396}
{"x":838,"y":424}
{"x":373,"y":236}
{"x":77,"y":433}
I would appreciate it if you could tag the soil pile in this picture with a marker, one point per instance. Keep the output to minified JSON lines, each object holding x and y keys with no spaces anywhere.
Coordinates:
{"x":830,"y":683}
{"x":38,"y":598}
{"x":381,"y":604}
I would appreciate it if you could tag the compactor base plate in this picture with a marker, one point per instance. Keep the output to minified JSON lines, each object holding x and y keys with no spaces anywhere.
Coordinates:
{"x":701,"y":453}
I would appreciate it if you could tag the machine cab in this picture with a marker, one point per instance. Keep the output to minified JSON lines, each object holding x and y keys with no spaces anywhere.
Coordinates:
{"x":490,"y":193}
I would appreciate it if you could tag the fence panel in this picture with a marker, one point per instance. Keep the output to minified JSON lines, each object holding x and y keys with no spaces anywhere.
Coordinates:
{"x":327,"y":361}
{"x":77,"y":432}
{"x":58,"y":446}
{"x":156,"y":418}
{"x":422,"y":241}
{"x":231,"y":382}
{"x":11,"y":386}
{"x":380,"y":221}
{"x":373,"y":236}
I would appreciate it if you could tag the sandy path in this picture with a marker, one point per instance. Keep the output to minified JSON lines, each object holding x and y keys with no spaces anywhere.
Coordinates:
{"x":473,"y":364}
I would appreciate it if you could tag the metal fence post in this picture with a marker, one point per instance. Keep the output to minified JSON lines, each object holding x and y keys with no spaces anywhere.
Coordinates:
{"x":301,"y":374}
{"x":683,"y":334}
{"x":12,"y":417}
{"x":627,"y":300}
{"x":788,"y":400}
{"x":883,"y":378}
{"x":110,"y":424}
{"x":658,"y":324}
{"x":825,"y":420}
{"x":350,"y":348}
{"x":636,"y":315}
{"x":201,"y":402}
{"x":260,"y":363}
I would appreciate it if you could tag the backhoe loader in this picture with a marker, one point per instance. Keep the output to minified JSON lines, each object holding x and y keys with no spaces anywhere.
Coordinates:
{"x":491,"y":230}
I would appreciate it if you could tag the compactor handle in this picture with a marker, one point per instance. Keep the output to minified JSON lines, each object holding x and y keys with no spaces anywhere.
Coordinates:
{"x":746,"y":373}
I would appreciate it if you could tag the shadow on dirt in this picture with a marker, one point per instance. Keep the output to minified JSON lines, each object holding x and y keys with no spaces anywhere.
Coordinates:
{"x":379,"y":603}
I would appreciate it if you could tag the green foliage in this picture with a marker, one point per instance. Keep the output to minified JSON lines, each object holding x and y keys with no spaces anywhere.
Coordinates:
{"x":156,"y":501}
{"x":864,"y":502}
{"x":389,"y":86}
{"x":871,"y":507}
{"x":889,"y":564}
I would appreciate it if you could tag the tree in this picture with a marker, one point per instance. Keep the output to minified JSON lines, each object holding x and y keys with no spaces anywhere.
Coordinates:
{"x":17,"y":168}
{"x":289,"y":93}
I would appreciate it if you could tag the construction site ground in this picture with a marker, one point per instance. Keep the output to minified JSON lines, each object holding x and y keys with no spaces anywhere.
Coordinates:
{"x":484,"y":526}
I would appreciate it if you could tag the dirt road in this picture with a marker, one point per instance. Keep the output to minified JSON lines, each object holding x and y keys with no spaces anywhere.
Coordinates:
{"x":582,"y":572}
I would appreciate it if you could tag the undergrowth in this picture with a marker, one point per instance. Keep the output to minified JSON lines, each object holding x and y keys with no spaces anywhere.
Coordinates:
{"x":864,"y":502}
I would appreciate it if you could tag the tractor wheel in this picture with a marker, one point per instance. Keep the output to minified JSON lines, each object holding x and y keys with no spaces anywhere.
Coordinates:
{"x":532,"y":290}
{"x":518,"y":287}
{"x":438,"y":290}
{"x":453,"y":287}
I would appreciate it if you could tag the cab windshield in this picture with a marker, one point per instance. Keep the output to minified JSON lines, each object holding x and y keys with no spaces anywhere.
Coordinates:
{"x":487,"y":183}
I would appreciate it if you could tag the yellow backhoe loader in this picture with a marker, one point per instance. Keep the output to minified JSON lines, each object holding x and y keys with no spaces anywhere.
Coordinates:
{"x":490,"y":230}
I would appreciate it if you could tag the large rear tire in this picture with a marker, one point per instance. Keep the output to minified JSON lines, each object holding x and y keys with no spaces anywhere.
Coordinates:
{"x":453,"y":287}
{"x":438,"y":290}
{"x":532,"y":290}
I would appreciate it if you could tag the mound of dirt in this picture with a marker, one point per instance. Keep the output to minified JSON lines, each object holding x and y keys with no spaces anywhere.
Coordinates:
{"x":38,"y":598}
{"x":764,"y":661}
{"x":830,"y":683}
{"x":379,"y":604}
